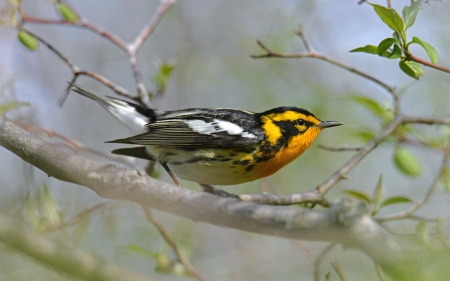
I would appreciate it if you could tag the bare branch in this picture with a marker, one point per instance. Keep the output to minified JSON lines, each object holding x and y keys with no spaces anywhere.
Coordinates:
{"x":108,"y":83}
{"x":131,"y":49}
{"x":348,"y":222}
{"x":427,"y":63}
{"x":304,"y":40}
{"x":315,"y":55}
{"x":150,"y":27}
{"x":351,"y":163}
{"x":77,"y":72}
{"x":82,"y":22}
{"x":426,"y":120}
{"x":340,"y":148}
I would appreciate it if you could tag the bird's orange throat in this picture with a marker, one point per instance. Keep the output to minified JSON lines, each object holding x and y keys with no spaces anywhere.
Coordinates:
{"x":295,"y":147}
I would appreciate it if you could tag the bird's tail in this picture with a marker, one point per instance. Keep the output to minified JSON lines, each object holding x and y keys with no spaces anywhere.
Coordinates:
{"x":132,"y":116}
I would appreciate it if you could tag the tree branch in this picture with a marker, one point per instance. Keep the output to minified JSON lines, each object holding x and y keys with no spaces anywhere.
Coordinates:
{"x":347,"y":222}
{"x":62,"y":257}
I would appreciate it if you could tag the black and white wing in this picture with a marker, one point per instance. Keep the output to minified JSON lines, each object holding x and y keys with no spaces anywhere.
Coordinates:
{"x":200,"y":127}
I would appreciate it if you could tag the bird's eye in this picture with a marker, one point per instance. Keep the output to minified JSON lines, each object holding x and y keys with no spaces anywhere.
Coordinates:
{"x":301,"y":122}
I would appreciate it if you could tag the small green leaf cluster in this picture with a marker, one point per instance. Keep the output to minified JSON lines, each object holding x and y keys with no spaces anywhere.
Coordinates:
{"x":67,"y":13}
{"x":407,"y":162}
{"x":381,"y":112}
{"x":397,"y":46}
{"x":42,"y":211}
{"x":28,"y":40}
{"x":4,"y":108}
{"x":161,"y":79}
{"x":377,"y":200}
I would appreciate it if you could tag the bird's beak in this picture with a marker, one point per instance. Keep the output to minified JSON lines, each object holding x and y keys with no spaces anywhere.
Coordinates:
{"x":328,"y":124}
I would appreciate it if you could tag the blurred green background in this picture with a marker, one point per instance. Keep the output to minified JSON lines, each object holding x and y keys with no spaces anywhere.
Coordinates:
{"x":212,"y":42}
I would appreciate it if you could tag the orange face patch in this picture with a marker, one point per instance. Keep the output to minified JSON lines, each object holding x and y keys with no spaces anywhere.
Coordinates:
{"x":295,"y":147}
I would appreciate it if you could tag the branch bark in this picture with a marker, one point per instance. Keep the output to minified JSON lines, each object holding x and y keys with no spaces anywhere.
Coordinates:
{"x":347,"y":222}
{"x":62,"y":257}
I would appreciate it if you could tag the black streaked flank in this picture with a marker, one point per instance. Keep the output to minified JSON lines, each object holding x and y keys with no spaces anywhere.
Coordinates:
{"x":242,"y":162}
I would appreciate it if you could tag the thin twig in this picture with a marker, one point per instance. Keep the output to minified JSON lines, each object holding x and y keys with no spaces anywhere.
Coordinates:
{"x":150,"y":27}
{"x":305,"y":42}
{"x":72,"y":66}
{"x":426,"y":197}
{"x":76,"y":219}
{"x":77,"y":72}
{"x":165,"y":234}
{"x":319,"y":259}
{"x":304,"y":248}
{"x":338,"y":269}
{"x":315,"y":55}
{"x":108,"y":83}
{"x":427,"y":63}
{"x":351,"y":163}
{"x":389,"y":4}
{"x":379,"y":272}
{"x":83,"y":23}
{"x":426,"y":120}
{"x":131,"y":49}
{"x":137,"y":43}
{"x":340,"y":148}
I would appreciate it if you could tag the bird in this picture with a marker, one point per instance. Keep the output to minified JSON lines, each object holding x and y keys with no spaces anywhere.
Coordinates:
{"x":213,"y":146}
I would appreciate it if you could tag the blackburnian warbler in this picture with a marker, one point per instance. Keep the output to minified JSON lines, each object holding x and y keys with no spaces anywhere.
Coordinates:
{"x":214,"y":146}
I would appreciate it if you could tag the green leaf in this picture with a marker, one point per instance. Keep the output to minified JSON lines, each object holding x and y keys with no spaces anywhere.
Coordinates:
{"x":369,"y":49}
{"x":410,"y":13}
{"x":28,"y":40}
{"x":411,"y":68}
{"x":365,"y":134}
{"x":138,"y":249}
{"x":446,"y":179}
{"x":395,"y":200}
{"x":407,"y":162}
{"x":431,"y":51}
{"x":390,"y":17}
{"x":161,"y":79}
{"x":4,"y":108}
{"x":358,"y":194}
{"x":396,"y":52}
{"x":369,"y":103}
{"x":51,"y":210}
{"x":377,"y":195}
{"x":67,"y":13}
{"x":385,"y":45}
{"x":423,"y":232}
